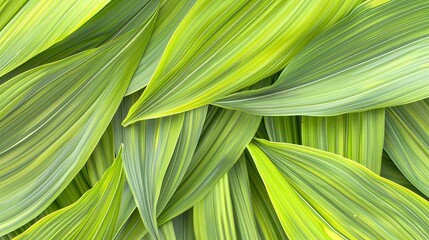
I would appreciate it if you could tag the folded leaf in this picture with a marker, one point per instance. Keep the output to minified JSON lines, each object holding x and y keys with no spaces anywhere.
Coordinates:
{"x":54,"y":116}
{"x":390,"y":171}
{"x":299,"y":221}
{"x":269,"y":226}
{"x":376,"y":57}
{"x":182,"y":155}
{"x":149,"y":146}
{"x":354,"y":201}
{"x":241,"y":201}
{"x":213,"y":215}
{"x":39,"y":25}
{"x":224,"y":136}
{"x":115,"y":19}
{"x":170,"y":15}
{"x":91,"y":217}
{"x":132,"y":229}
{"x":407,"y":141}
{"x":356,"y":136}
{"x":234,"y":45}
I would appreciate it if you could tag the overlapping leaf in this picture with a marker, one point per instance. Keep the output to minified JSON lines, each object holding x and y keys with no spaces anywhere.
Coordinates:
{"x":234,"y":45}
{"x":53,"y":19}
{"x":213,"y":215}
{"x":92,"y":216}
{"x":115,"y":19}
{"x":170,"y":15}
{"x":356,"y":136}
{"x":224,"y":137}
{"x":376,"y":57}
{"x":350,"y":199}
{"x":8,"y":8}
{"x":54,"y":116}
{"x":407,"y":141}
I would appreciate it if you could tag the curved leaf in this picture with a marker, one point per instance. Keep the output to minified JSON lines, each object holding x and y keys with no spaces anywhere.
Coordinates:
{"x":53,"y":117}
{"x":407,"y":141}
{"x":149,"y":146}
{"x":92,"y":216}
{"x":115,"y":19}
{"x":170,"y":15}
{"x":224,"y":137}
{"x":354,"y":201}
{"x":229,"y":39}
{"x":269,"y":226}
{"x":376,"y":57}
{"x":297,"y":218}
{"x":53,"y":19}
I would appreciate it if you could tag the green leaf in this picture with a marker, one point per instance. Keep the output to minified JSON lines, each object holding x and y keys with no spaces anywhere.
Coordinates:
{"x":8,"y":9}
{"x":92,"y":216}
{"x":115,"y":19}
{"x":53,"y":19}
{"x":229,"y":39}
{"x":356,"y":136}
{"x":390,"y":171}
{"x":132,"y":229}
{"x":184,"y":226}
{"x":241,"y":201}
{"x":269,"y":226}
{"x":407,"y":141}
{"x":149,"y":146}
{"x":170,"y":15}
{"x":182,"y":156}
{"x":54,"y":116}
{"x":376,"y":57}
{"x":224,"y":136}
{"x":213,"y":215}
{"x":351,"y":199}
{"x":299,"y":221}
{"x":284,"y":129}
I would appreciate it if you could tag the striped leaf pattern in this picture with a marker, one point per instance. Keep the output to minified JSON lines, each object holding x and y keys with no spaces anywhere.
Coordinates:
{"x":198,"y":119}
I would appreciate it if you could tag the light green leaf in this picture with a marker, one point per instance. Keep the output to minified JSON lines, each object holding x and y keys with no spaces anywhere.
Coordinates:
{"x":229,"y":39}
{"x":115,"y":19}
{"x":241,"y":201}
{"x":170,"y":15}
{"x":269,"y":226}
{"x":376,"y":57}
{"x":8,"y":8}
{"x":224,"y":137}
{"x":356,"y":136}
{"x":213,"y":215}
{"x":407,"y":141}
{"x":354,"y":201}
{"x":149,"y":146}
{"x":92,"y":216}
{"x":299,"y":221}
{"x":54,"y":116}
{"x":53,"y":19}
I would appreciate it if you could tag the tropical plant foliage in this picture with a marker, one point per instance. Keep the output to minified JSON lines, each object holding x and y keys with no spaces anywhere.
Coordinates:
{"x":195,"y":119}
